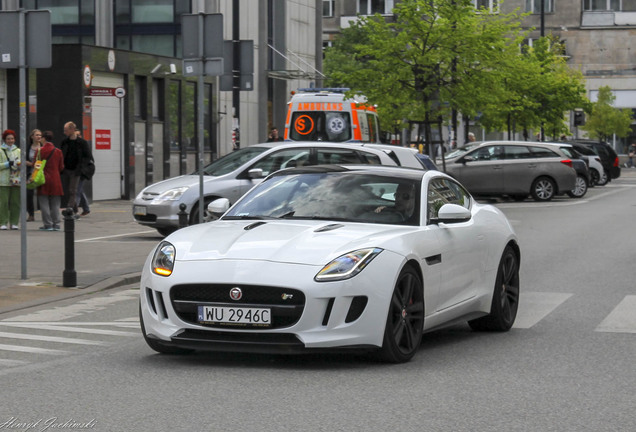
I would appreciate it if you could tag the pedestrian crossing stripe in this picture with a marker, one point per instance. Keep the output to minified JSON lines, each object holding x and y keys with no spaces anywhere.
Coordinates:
{"x":535,"y":306}
{"x":622,"y":319}
{"x":43,"y":338}
{"x":63,"y":326}
{"x":32,"y":350}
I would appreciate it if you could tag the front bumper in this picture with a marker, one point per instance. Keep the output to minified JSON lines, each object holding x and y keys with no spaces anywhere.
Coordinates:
{"x":162,"y":215}
{"x":332,"y":315}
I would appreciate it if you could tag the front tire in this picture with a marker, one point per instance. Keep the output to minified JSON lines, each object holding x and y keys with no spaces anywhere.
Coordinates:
{"x":543,"y":189}
{"x":505,"y":299}
{"x":580,"y":188}
{"x":405,"y":320}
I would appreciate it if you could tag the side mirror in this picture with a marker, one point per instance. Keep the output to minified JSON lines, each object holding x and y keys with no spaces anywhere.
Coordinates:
{"x":453,"y":213}
{"x":466,"y":159}
{"x":255,"y":173}
{"x":219,"y":206}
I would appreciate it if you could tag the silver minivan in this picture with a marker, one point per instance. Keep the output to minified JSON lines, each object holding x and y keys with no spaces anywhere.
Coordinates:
{"x":234,"y":174}
{"x":515,"y":169}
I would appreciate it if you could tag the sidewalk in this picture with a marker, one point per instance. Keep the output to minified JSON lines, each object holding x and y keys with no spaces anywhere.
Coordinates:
{"x":110,"y":249}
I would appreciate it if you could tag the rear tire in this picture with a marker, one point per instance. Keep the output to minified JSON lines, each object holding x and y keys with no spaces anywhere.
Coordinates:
{"x":603,"y":179}
{"x":594,"y":177}
{"x":543,"y":189}
{"x":505,"y":298}
{"x":405,"y":320}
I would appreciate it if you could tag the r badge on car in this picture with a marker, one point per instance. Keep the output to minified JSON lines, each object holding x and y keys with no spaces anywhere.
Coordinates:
{"x":236,"y":293}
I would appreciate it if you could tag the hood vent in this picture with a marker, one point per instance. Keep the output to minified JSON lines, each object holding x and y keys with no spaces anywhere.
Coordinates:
{"x":329,"y":227}
{"x":254,"y":225}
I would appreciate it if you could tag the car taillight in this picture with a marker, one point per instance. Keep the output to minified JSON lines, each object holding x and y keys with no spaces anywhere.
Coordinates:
{"x":616,"y":163}
{"x":567,"y":162}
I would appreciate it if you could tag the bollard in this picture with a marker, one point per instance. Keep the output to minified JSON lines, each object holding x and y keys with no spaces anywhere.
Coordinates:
{"x":69,"y":277}
{"x":183,"y":216}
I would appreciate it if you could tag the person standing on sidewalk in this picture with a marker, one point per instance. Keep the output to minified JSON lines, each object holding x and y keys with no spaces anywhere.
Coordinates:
{"x":631,"y":154}
{"x":87,"y":169}
{"x":35,"y":138}
{"x":75,"y":150}
{"x":9,"y":181}
{"x":50,"y":193}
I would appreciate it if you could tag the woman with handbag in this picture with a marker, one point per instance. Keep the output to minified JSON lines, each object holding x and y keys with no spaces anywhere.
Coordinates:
{"x":35,"y":136}
{"x":50,"y":193}
{"x":9,"y":181}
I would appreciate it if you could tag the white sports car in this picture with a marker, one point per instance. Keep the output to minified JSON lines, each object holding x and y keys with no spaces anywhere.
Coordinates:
{"x":333,"y":257}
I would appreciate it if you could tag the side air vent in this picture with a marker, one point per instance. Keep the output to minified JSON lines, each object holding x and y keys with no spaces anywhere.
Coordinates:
{"x":357,"y":307}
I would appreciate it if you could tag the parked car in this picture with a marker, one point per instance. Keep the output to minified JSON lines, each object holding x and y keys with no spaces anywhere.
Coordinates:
{"x":598,"y":176}
{"x":608,"y":156}
{"x":515,"y":169}
{"x":363,"y":258}
{"x":405,"y":156}
{"x":234,"y":174}
{"x":579,"y":163}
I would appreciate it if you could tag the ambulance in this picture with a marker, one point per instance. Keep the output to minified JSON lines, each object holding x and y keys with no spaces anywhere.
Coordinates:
{"x":324,"y":114}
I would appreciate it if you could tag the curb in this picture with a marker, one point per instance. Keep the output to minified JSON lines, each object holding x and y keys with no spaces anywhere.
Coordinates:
{"x":106,"y":284}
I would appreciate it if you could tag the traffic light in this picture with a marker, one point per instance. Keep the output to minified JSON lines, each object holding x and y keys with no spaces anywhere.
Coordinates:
{"x":579,"y":118}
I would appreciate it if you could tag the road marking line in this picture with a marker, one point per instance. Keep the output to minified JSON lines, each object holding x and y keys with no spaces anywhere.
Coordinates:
{"x":33,"y":350}
{"x":125,"y":324}
{"x":71,"y":329}
{"x":534,"y":306}
{"x":50,"y":339}
{"x":622,"y":319}
{"x":113,"y":236}
{"x":5,"y":362}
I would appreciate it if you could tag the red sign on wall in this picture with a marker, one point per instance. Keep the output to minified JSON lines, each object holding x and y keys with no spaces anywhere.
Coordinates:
{"x":102,"y":139}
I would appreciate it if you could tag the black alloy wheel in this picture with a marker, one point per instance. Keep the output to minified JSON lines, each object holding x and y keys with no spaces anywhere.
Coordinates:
{"x":405,"y":320}
{"x":505,"y":299}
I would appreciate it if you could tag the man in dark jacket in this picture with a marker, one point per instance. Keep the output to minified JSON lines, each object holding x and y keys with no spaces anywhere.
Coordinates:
{"x":77,"y":154}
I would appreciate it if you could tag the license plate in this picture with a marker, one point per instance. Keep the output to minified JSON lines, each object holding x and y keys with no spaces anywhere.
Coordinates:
{"x":139,"y":210}
{"x":235,"y":315}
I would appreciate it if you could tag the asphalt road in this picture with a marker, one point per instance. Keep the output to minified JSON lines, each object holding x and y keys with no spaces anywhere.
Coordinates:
{"x":567,"y":365}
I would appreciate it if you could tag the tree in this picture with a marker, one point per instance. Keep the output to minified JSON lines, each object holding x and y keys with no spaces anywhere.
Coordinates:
{"x":604,"y":120}
{"x":443,"y":55}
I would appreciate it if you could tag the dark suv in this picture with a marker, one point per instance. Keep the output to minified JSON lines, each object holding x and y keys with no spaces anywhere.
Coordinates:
{"x":608,"y":156}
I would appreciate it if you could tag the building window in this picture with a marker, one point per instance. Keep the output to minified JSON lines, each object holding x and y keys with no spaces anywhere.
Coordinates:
{"x":534,"y":6}
{"x":490,"y":5}
{"x":370,"y":7}
{"x":151,"y":26}
{"x":327,"y":8}
{"x":603,"y":5}
{"x":72,"y":21}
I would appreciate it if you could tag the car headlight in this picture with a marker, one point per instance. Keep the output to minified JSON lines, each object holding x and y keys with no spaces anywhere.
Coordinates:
{"x":348,"y":265}
{"x":163,"y":260}
{"x":170,"y":195}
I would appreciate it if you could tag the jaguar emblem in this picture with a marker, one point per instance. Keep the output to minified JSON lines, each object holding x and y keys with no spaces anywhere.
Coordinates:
{"x":236,"y":293}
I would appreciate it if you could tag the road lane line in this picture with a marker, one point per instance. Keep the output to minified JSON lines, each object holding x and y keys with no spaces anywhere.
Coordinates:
{"x":74,"y":329}
{"x":114,"y":236}
{"x":43,"y":338}
{"x":622,"y":319}
{"x":534,"y":306}
{"x":32,"y":350}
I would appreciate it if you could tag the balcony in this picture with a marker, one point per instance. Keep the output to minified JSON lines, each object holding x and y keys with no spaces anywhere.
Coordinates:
{"x":608,"y":19}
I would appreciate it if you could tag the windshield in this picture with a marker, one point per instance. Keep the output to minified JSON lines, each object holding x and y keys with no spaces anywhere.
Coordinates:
{"x":232,"y":161}
{"x":460,"y":151}
{"x":339,"y":196}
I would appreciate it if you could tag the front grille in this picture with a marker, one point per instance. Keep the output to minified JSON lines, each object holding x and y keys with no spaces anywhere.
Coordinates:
{"x":286,"y":304}
{"x":146,"y":218}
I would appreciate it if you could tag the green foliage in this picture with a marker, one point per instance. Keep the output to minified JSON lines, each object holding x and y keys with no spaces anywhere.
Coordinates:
{"x":440,"y":55}
{"x":604,"y":120}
